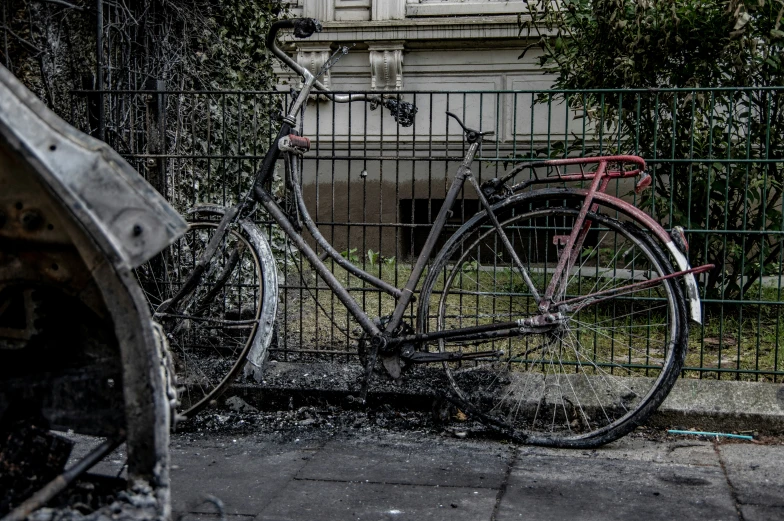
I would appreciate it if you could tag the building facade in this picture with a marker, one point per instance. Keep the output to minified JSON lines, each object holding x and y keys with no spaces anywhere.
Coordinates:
{"x":441,"y":55}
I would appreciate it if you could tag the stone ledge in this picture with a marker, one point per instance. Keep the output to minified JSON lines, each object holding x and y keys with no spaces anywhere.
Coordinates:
{"x":717,"y":405}
{"x":708,"y":405}
{"x":411,"y":29}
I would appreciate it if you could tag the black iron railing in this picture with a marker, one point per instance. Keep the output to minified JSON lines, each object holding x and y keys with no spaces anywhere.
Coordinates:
{"x":375,"y":187}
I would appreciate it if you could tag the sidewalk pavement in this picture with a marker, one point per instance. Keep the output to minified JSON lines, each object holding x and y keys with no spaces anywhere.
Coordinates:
{"x":424,"y":476}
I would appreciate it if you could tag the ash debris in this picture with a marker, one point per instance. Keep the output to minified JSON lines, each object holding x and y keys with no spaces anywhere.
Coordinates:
{"x":137,"y":504}
{"x":309,"y":421}
{"x":314,"y":374}
{"x":312,"y":398}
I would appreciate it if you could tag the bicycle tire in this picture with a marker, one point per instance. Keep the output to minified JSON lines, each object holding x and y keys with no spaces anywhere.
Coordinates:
{"x":598,"y":377}
{"x":211,"y":338}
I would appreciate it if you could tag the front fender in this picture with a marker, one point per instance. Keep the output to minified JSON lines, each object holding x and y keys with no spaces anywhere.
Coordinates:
{"x":690,"y":282}
{"x":257,"y":355}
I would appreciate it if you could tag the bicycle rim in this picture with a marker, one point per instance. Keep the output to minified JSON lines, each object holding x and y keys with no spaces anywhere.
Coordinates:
{"x":603,"y":371}
{"x":211,"y":331}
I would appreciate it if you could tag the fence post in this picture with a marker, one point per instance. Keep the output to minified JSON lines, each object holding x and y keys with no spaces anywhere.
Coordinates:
{"x":156,"y":133}
{"x":93,"y":105}
{"x":101,"y":126}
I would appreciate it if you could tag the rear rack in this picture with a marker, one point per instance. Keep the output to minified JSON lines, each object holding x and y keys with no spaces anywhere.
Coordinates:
{"x":612,"y":167}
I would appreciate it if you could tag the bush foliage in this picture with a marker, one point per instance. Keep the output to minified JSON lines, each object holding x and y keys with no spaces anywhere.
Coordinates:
{"x":716,"y":155}
{"x":205,"y":45}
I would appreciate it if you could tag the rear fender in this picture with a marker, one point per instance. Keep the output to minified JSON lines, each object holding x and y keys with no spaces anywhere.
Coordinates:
{"x":689,"y":281}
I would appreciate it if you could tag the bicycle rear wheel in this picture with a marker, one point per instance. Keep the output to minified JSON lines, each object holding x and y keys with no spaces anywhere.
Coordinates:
{"x":597,"y":376}
{"x":211,"y":331}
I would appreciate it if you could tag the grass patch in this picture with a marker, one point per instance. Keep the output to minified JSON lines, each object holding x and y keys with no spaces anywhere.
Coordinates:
{"x":734,"y":336}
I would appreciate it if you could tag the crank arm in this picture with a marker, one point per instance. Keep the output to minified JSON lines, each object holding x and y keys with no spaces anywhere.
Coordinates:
{"x":422,"y":357}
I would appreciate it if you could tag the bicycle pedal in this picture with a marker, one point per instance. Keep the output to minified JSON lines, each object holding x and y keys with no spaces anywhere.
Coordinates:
{"x":393,"y":366}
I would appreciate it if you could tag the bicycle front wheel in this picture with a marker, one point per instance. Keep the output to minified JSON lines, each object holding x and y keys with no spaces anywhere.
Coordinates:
{"x":596,"y":376}
{"x":212,"y":329}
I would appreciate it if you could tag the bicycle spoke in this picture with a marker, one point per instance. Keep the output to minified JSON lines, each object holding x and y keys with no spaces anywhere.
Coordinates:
{"x":212,"y":328}
{"x":588,"y":376}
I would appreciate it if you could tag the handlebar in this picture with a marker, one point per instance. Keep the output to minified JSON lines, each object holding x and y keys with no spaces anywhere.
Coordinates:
{"x":402,"y":111}
{"x":303,"y":28}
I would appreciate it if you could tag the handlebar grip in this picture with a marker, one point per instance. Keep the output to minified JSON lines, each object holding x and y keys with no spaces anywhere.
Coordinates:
{"x":305,"y":27}
{"x":402,"y":111}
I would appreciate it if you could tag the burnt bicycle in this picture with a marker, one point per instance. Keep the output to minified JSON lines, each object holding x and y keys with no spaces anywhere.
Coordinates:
{"x":560,"y":315}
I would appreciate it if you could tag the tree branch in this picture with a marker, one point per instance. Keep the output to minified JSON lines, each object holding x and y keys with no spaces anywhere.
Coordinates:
{"x":24,"y":42}
{"x":63,"y":3}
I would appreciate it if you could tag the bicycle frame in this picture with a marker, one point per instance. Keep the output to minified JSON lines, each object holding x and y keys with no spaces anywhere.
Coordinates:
{"x":388,"y":336}
{"x":405,"y":295}
{"x":572,"y":244}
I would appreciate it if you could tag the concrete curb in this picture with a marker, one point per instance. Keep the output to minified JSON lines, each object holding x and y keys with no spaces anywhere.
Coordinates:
{"x":717,"y":405}
{"x":711,"y":405}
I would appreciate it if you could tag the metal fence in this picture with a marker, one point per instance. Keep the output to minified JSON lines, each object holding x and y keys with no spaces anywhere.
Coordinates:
{"x":716,"y":156}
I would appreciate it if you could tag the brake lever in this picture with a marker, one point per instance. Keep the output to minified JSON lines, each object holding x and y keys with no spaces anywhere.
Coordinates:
{"x":471,"y":134}
{"x":337,"y":55}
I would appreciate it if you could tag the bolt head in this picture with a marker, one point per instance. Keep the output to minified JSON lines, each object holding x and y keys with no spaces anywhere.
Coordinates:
{"x":31,"y":220}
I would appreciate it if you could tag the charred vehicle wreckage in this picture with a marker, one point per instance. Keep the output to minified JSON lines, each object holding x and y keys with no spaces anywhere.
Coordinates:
{"x":80,"y":358}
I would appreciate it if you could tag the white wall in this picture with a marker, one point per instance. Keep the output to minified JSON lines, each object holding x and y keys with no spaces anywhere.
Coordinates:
{"x":421,"y":49}
{"x":417,"y":47}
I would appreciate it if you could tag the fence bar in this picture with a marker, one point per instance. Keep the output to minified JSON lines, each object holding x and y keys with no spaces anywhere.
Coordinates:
{"x":374,"y":189}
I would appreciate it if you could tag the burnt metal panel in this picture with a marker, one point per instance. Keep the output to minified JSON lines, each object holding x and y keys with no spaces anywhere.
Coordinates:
{"x":90,"y":177}
{"x":78,"y":348}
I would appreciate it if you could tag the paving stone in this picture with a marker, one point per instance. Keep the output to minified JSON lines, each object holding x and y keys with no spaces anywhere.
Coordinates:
{"x":191,"y":516}
{"x":246,"y":476}
{"x":686,"y":452}
{"x":607,"y":489}
{"x":761,"y":513}
{"x":111,"y":465}
{"x":309,"y":500}
{"x":393,"y":475}
{"x":756,"y":472}
{"x":398,"y":461}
